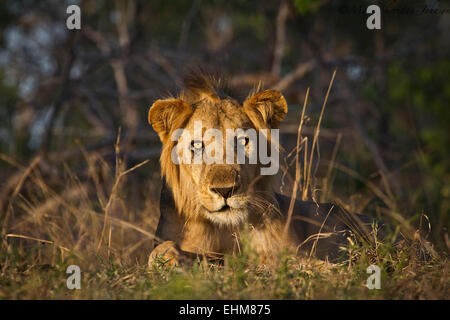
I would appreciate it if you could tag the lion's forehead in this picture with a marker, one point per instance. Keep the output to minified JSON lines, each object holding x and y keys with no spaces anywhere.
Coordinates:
{"x":219,"y":115}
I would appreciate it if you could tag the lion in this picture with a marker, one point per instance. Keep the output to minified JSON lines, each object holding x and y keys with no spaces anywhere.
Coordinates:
{"x":206,"y":208}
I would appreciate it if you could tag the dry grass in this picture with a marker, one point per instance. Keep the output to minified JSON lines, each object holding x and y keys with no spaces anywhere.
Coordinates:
{"x":103,"y":219}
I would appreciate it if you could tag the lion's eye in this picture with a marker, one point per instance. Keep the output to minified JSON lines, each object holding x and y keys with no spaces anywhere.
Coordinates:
{"x":243,"y":141}
{"x":196,"y":145}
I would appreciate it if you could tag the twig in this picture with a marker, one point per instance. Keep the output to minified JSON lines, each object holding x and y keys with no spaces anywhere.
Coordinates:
{"x":112,"y":196}
{"x":24,"y":176}
{"x":280,"y":37}
{"x":330,"y":167}
{"x":316,"y":135}
{"x":297,"y":168}
{"x":297,"y":73}
{"x":377,"y":191}
{"x":313,"y":248}
{"x":13,"y":235}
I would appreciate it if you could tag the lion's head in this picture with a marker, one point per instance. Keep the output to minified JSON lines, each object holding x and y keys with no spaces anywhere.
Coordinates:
{"x":221,"y":192}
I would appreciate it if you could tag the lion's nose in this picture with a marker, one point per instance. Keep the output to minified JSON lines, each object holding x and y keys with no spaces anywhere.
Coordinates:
{"x":224,"y":192}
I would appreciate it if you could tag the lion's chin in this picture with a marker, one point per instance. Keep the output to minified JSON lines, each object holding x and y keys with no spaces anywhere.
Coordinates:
{"x":227,"y":216}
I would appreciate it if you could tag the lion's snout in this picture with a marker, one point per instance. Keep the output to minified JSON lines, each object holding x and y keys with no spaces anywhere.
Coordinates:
{"x":222,"y":188}
{"x":225,"y":192}
{"x":223,"y":180}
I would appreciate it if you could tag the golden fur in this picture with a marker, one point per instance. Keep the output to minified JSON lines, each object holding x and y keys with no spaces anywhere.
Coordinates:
{"x":195,"y":216}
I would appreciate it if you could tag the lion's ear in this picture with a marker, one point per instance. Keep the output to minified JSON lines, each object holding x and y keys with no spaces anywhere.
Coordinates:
{"x":168,"y":115}
{"x":266,"y":109}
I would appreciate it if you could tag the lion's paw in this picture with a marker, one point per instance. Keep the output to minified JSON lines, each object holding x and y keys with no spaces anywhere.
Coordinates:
{"x":165,"y":254}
